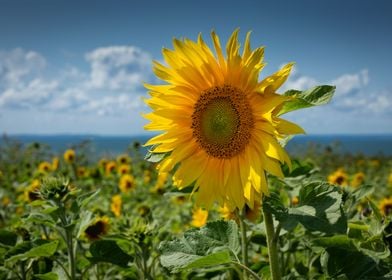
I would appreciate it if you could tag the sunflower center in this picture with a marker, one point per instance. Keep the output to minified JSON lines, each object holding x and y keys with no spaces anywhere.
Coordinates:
{"x":222,"y":121}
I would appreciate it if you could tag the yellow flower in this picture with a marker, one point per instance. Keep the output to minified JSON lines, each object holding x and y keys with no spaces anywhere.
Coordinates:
{"x":32,"y":191}
{"x":390,"y":179}
{"x":55,"y":163}
{"x":98,"y":228}
{"x":226,"y":213}
{"x":44,"y":167}
{"x":127,"y":183}
{"x":199,"y":217}
{"x":339,"y":177}
{"x":386,"y":206}
{"x":160,"y":183}
{"x":146,"y":176}
{"x":116,"y":204}
{"x":220,"y":124}
{"x":81,"y":171}
{"x":102,"y":163}
{"x":110,"y":167}
{"x":123,"y":159}
{"x":124,"y":169}
{"x":6,"y":201}
{"x":358,"y":179}
{"x":250,"y":214}
{"x":69,"y":155}
{"x":295,"y":201}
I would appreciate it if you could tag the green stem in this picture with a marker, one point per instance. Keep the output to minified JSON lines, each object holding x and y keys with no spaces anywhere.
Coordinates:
{"x":244,"y":243}
{"x":248,"y":270}
{"x":71,"y":256}
{"x":272,"y":242}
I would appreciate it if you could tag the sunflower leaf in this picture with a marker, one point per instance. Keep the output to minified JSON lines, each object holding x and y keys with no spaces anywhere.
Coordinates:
{"x":316,"y":96}
{"x":208,"y":246}
{"x":108,"y":251}
{"x":320,"y":209}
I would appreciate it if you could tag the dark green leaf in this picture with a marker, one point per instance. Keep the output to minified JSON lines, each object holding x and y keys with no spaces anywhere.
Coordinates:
{"x":34,"y":249}
{"x":8,"y":237}
{"x":303,"y":99}
{"x":208,"y":246}
{"x":108,"y":251}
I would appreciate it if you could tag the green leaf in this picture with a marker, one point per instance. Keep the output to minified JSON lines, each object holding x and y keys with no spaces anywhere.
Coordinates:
{"x":32,"y":249}
{"x":154,"y":157}
{"x":8,"y":237}
{"x":84,"y":222}
{"x":337,"y":241}
{"x":303,"y":99}
{"x":46,"y":276}
{"x":319,"y":210}
{"x":208,"y":246}
{"x":108,"y":251}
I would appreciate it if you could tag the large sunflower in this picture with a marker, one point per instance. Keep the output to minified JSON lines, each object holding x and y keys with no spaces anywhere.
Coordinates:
{"x":219,"y":123}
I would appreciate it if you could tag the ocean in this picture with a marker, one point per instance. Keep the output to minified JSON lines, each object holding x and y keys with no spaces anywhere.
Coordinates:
{"x":370,"y":145}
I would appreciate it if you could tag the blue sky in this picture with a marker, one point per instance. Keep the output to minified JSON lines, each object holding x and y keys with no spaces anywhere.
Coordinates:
{"x":77,"y":66}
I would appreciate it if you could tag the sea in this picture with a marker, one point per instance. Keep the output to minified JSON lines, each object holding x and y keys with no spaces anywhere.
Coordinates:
{"x":368,"y":145}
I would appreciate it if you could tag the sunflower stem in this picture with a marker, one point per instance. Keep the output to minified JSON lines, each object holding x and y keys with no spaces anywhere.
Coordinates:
{"x":244,"y":243}
{"x":272,"y":243}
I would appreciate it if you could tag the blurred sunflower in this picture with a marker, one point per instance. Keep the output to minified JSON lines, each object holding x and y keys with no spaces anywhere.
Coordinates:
{"x":123,"y":169}
{"x":116,"y":205}
{"x":199,"y":217}
{"x":110,"y":167}
{"x":98,"y":228}
{"x":44,"y":167}
{"x":358,"y":179}
{"x":160,"y":183}
{"x":55,"y":163}
{"x":339,"y":177}
{"x":146,"y":176}
{"x":32,"y":191}
{"x":390,"y":179}
{"x":127,"y":183}
{"x":123,"y":159}
{"x":386,"y":206}
{"x":251,"y":214}
{"x":69,"y":156}
{"x":221,"y":125}
{"x":81,"y":172}
{"x":295,"y":201}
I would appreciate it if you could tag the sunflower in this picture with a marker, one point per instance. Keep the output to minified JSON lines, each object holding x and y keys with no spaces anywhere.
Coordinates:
{"x":358,"y":179}
{"x":110,"y":167}
{"x":127,"y":183}
{"x":386,"y":206}
{"x":339,"y":177}
{"x":81,"y":171}
{"x":69,"y":155}
{"x":44,"y":167}
{"x":32,"y":191}
{"x":199,"y":217}
{"x":390,"y":179}
{"x":220,"y":124}
{"x":55,"y":163}
{"x":123,"y":169}
{"x":123,"y":159}
{"x":116,"y":204}
{"x":98,"y":228}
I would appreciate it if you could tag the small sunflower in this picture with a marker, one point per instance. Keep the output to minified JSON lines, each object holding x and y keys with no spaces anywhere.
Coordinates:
{"x":116,"y":205}
{"x":102,"y":163}
{"x":81,"y":172}
{"x":386,"y":206}
{"x":32,"y":191}
{"x":127,"y":183}
{"x":123,"y":159}
{"x":146,"y":176}
{"x":295,"y":201}
{"x":97,"y":229}
{"x":358,"y":179}
{"x":339,"y":177}
{"x":123,"y":169}
{"x":199,"y":217}
{"x":110,"y":167}
{"x":44,"y":167}
{"x":69,"y":156}
{"x":251,"y":214}
{"x":390,"y":179}
{"x":220,"y":125}
{"x":55,"y":163}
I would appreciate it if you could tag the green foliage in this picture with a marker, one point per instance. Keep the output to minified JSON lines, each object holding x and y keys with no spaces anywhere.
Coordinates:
{"x":108,"y":251}
{"x":208,"y":246}
{"x":316,"y":96}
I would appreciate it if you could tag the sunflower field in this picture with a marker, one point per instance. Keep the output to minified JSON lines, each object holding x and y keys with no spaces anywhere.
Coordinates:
{"x":214,"y":196}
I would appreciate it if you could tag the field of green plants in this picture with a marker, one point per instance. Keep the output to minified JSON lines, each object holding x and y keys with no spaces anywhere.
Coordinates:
{"x":65,"y":216}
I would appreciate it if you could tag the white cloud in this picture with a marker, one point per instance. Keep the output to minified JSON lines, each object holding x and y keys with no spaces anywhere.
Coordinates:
{"x":349,"y":82}
{"x":113,"y":86}
{"x":18,"y":64}
{"x":118,"y":67}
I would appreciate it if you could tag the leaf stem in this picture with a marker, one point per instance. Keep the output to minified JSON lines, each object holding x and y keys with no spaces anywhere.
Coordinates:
{"x":248,"y":270}
{"x":272,"y":242}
